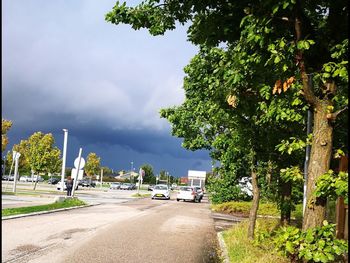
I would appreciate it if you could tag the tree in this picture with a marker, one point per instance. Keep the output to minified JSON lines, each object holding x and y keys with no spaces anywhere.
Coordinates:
{"x":92,"y":165}
{"x":295,"y":33}
{"x":41,"y":154}
{"x":5,"y":127}
{"x":23,"y":149}
{"x":149,"y":174}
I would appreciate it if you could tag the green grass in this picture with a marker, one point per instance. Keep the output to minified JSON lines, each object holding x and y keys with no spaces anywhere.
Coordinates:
{"x":242,"y":250}
{"x":71,"y":202}
{"x":141,"y":195}
{"x":243,"y":208}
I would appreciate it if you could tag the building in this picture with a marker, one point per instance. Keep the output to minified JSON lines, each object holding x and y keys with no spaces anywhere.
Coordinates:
{"x":127,"y":175}
{"x":196,"y":178}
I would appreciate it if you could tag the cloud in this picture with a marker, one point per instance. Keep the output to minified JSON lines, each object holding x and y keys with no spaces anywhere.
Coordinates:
{"x":64,"y":66}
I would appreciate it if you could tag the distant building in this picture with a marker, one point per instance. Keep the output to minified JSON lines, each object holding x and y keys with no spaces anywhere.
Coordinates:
{"x":196,"y":178}
{"x":183,"y":180}
{"x":126,"y":175}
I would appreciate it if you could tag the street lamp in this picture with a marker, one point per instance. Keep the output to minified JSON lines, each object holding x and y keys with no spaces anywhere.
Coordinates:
{"x":131,"y":181}
{"x":64,"y":157}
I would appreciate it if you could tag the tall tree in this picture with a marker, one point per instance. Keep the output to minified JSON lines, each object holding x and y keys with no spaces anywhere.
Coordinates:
{"x":149,"y":174}
{"x":5,"y":127}
{"x":297,"y":31}
{"x":42,"y":155}
{"x":92,"y":165}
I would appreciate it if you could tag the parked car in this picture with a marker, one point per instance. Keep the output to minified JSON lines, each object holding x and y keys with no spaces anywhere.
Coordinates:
{"x":35,"y":178}
{"x":53,"y":180}
{"x":188,"y":193}
{"x":4,"y":177}
{"x":200,"y":192}
{"x":87,"y":183}
{"x":126,"y":186}
{"x":150,"y":187}
{"x":161,"y":191}
{"x":25,"y":178}
{"x":59,"y":184}
{"x":115,"y":185}
{"x":10,"y":178}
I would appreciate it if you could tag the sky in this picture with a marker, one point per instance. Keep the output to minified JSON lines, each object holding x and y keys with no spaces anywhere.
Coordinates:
{"x":65,"y":67}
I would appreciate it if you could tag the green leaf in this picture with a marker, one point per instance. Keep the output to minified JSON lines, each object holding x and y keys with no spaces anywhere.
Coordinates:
{"x":277,"y":59}
{"x":289,"y":247}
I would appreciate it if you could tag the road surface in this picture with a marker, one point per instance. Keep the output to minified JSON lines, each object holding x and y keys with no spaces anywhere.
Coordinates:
{"x":142,"y":230}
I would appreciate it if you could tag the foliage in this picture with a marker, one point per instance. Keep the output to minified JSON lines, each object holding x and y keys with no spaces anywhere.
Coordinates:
{"x":225,"y":189}
{"x":5,"y":127}
{"x":71,"y":202}
{"x":149,"y":174}
{"x":248,"y":88}
{"x":292,"y":174}
{"x":40,"y":153}
{"x":332,"y":185}
{"x":313,"y":245}
{"x":92,"y":165}
{"x":243,"y":250}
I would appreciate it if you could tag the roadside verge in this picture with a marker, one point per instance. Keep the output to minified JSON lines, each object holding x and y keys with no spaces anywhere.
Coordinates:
{"x":46,"y":212}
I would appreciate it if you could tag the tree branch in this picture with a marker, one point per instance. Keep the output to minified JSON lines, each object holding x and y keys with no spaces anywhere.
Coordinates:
{"x":333,"y":116}
{"x":307,"y":89}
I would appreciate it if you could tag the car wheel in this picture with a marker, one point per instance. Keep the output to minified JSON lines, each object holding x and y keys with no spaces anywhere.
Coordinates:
{"x":178,"y":200}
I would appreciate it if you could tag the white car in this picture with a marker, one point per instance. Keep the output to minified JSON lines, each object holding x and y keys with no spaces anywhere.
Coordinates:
{"x":161,"y":191}
{"x":25,"y":178}
{"x":188,"y":193}
{"x":115,"y":185}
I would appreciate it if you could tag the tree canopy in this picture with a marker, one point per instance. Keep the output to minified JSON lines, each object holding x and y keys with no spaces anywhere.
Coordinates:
{"x":260,"y":60}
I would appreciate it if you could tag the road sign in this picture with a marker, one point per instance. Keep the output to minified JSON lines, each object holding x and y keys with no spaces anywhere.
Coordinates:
{"x":74,"y":174}
{"x":76,"y":162}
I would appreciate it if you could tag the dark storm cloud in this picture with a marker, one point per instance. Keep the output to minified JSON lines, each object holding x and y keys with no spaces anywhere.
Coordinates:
{"x":104,"y":83}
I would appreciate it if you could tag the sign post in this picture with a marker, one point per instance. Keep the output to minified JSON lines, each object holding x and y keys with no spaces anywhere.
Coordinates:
{"x":16,"y":156}
{"x":78,"y":164}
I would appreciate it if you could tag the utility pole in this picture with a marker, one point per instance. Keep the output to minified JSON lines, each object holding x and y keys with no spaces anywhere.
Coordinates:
{"x":64,"y":158}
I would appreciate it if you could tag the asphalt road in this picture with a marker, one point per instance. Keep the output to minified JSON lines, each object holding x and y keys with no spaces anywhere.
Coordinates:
{"x":141,"y":230}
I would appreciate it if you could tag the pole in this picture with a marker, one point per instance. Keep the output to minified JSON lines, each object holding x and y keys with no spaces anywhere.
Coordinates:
{"x":64,"y":158}
{"x":101,"y":177}
{"x":131,"y":177}
{"x":76,"y":177}
{"x":307,"y":152}
{"x":16,"y":172}
{"x":8,"y":179}
{"x":307,"y":157}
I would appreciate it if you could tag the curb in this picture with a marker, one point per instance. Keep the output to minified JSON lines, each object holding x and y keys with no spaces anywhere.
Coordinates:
{"x":46,"y":212}
{"x":224,"y":253}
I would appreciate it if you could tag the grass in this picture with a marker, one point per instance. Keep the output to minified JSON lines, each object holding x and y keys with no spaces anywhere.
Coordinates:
{"x":71,"y":202}
{"x":141,"y":195}
{"x":243,"y":208}
{"x":242,"y":250}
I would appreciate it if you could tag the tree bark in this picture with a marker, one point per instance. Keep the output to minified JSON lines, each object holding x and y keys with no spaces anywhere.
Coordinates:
{"x":321,"y":153}
{"x":254,"y":210}
{"x":286,"y":203}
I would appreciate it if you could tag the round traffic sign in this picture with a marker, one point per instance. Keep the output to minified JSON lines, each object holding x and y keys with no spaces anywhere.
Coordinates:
{"x":76,"y":162}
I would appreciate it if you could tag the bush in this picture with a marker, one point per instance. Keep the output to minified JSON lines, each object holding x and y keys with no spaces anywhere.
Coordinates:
{"x":313,"y":245}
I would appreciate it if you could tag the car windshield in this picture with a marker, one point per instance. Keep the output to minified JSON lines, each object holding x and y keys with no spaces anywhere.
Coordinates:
{"x":161,"y":187}
{"x":185,"y":189}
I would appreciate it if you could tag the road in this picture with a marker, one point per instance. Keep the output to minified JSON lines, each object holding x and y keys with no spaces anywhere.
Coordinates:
{"x":141,"y":230}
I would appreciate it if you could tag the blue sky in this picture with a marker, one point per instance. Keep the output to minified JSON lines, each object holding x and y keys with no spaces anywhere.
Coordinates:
{"x":64,"y":66}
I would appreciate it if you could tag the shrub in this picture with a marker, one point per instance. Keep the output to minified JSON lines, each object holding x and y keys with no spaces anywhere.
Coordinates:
{"x":313,"y":245}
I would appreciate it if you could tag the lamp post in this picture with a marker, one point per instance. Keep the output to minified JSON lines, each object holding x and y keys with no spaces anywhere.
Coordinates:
{"x":131,"y":181}
{"x":64,"y":158}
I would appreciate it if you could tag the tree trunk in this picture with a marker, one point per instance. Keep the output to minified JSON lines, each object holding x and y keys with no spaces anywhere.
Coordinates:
{"x":286,"y":202}
{"x":321,"y":153}
{"x":254,"y":210}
